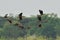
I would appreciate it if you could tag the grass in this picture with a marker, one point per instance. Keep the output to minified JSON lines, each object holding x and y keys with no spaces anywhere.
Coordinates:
{"x":29,"y":38}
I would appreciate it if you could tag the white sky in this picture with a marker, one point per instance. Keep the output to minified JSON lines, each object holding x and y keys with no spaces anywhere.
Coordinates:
{"x":29,"y":7}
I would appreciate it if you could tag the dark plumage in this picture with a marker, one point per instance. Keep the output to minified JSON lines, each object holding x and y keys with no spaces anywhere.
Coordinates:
{"x":41,"y":12}
{"x":40,"y":25}
{"x":20,"y":16}
{"x":21,"y":27}
{"x":9,"y":20}
{"x":5,"y":16}
{"x":39,"y":17}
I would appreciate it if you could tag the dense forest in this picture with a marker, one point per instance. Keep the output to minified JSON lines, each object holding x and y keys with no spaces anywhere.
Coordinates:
{"x":50,"y":29}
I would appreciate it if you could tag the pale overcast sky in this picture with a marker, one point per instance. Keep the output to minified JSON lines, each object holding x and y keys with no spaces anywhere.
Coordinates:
{"x":29,"y":7}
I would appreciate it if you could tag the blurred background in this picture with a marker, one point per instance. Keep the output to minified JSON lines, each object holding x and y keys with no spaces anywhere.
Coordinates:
{"x":50,"y":29}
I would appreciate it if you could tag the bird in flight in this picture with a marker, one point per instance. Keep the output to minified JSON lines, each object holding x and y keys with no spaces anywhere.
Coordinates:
{"x":6,"y":16}
{"x":20,"y":16}
{"x":39,"y":17}
{"x":19,"y":25}
{"x":41,"y":12}
{"x":10,"y":21}
{"x":40,"y":25}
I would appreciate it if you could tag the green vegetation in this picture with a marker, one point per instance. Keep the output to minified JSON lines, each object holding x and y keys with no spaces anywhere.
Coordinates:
{"x":50,"y":29}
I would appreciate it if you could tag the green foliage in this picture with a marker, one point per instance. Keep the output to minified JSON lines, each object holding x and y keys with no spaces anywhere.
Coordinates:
{"x":50,"y":27}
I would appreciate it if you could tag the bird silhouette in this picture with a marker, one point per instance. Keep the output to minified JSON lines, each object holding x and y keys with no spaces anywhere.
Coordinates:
{"x":10,"y":21}
{"x":6,"y":16}
{"x":39,"y":17}
{"x":40,"y":25}
{"x":20,"y":16}
{"x":19,"y":25}
{"x":41,"y":12}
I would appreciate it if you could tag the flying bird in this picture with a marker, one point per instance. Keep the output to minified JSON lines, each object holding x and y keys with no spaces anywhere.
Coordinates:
{"x":39,"y":17}
{"x":19,"y":25}
{"x":10,"y":21}
{"x":6,"y":16}
{"x":41,"y":12}
{"x":20,"y":16}
{"x":40,"y":25}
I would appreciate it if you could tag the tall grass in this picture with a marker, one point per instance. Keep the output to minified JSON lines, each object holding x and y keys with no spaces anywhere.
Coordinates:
{"x":29,"y":38}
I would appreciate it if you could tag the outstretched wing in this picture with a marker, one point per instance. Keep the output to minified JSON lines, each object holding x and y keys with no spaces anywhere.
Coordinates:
{"x":20,"y":16}
{"x":10,"y":21}
{"x":5,"y":16}
{"x":41,"y":12}
{"x":39,"y":17}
